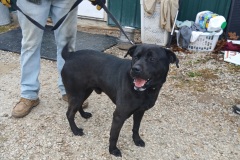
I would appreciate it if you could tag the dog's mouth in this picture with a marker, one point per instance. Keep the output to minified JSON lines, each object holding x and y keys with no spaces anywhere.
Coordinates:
{"x":140,"y":84}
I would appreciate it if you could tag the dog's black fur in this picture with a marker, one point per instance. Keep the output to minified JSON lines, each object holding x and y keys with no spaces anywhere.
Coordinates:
{"x":133,"y":85}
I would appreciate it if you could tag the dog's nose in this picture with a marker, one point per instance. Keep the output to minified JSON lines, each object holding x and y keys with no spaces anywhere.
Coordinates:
{"x":137,"y":69}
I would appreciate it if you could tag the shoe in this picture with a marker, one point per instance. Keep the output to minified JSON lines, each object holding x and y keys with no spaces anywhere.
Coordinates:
{"x":85,"y":103}
{"x":23,"y":107}
{"x":65,"y":97}
{"x":236,"y":109}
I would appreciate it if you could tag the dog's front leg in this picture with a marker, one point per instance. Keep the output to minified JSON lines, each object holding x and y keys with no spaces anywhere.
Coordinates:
{"x":137,"y":117}
{"x":117,"y":123}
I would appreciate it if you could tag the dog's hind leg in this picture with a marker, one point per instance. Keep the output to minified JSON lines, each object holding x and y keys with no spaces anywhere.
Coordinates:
{"x":84,"y":114}
{"x":72,"y":109}
{"x":137,"y":117}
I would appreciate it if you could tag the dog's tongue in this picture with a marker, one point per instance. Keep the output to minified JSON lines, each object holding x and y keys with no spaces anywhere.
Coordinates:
{"x":139,"y":82}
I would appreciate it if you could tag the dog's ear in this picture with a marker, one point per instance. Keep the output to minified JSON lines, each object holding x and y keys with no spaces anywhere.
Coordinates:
{"x":172,"y":57}
{"x":131,"y":51}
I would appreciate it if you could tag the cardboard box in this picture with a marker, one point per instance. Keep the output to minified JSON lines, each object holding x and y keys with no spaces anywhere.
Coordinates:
{"x":232,"y":56}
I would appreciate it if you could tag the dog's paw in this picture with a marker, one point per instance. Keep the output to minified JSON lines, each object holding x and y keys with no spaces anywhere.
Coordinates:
{"x":86,"y":115}
{"x":116,"y":152}
{"x":78,"y":132}
{"x":139,"y":143}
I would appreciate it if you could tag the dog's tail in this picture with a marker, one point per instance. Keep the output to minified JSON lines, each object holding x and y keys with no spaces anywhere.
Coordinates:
{"x":65,"y":52}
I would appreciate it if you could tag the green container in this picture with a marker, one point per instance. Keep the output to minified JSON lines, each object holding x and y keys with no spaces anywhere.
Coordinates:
{"x":190,"y":8}
{"x":127,"y":12}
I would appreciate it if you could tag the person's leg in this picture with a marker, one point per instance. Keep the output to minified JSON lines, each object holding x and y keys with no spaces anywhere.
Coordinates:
{"x":31,"y":44}
{"x":30,"y":54}
{"x":66,"y":32}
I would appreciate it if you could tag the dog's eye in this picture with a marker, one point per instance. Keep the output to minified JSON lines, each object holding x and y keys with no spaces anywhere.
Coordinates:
{"x":151,"y":59}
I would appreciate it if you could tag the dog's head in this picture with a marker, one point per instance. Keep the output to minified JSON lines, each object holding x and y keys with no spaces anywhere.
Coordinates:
{"x":150,"y":65}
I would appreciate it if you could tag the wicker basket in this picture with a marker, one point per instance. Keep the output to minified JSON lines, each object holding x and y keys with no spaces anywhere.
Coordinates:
{"x":151,"y":33}
{"x":205,"y":42}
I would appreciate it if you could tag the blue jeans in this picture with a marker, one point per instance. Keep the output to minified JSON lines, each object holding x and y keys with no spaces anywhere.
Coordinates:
{"x":32,"y":39}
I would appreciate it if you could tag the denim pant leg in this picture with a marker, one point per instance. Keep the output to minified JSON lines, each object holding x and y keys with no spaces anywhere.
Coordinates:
{"x":66,"y":33}
{"x":31,"y":44}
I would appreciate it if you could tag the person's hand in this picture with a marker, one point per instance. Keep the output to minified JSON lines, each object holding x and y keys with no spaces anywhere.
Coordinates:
{"x":6,"y":3}
{"x":98,"y":3}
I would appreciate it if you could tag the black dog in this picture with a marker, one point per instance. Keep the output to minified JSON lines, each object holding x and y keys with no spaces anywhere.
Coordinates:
{"x":133,"y":85}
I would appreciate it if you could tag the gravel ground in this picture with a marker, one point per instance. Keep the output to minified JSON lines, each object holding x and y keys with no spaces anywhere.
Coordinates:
{"x":192,"y":118}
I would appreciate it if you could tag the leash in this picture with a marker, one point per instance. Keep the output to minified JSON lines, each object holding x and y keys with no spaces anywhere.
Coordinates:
{"x":63,"y":18}
{"x":105,"y":9}
{"x":14,"y":5}
{"x":115,"y":21}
